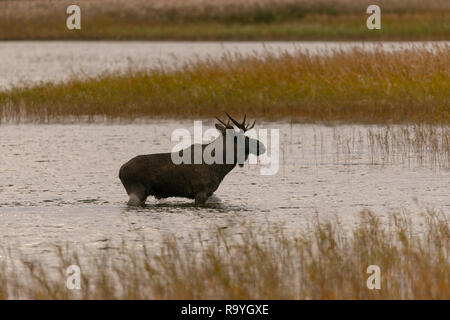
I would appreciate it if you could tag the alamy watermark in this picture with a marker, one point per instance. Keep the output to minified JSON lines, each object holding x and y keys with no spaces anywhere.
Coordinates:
{"x":73,"y":281}
{"x":73,"y":21}
{"x":374,"y":20}
{"x":228,"y":147}
{"x":374,"y":280}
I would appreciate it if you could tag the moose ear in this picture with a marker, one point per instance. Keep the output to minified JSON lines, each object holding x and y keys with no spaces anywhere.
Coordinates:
{"x":221,"y":128}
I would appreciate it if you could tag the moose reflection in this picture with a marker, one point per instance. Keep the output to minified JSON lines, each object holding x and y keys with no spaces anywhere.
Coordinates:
{"x":161,"y":176}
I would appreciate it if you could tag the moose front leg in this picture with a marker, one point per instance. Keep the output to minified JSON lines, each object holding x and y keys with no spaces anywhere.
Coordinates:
{"x":200,"y":198}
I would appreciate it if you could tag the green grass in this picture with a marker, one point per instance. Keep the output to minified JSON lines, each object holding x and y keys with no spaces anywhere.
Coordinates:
{"x":409,"y":86}
{"x":323,"y":261}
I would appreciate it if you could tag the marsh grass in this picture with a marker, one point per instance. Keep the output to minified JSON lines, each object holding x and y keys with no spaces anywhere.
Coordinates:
{"x":359,"y":86}
{"x":412,"y":145}
{"x":409,"y":145}
{"x":225,"y":20}
{"x":323,"y":261}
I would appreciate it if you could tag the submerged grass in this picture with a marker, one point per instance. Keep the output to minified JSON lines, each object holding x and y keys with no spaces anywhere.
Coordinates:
{"x":359,"y":86}
{"x":407,"y":145}
{"x":225,"y":20}
{"x":322,"y":262}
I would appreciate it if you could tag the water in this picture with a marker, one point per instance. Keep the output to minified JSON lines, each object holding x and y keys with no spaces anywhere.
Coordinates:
{"x":30,"y":62}
{"x":59,"y":183}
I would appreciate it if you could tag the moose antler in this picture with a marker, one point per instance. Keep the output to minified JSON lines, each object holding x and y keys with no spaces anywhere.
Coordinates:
{"x":242,"y":125}
{"x":227,"y":125}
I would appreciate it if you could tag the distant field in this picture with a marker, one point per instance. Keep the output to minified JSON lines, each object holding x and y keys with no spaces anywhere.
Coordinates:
{"x":407,"y":86}
{"x":225,"y":20}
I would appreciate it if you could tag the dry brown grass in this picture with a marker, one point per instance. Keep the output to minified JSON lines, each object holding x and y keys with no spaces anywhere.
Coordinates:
{"x":323,"y":262}
{"x":407,"y":86}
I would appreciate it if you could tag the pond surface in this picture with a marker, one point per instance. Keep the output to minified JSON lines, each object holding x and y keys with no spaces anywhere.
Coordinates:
{"x":59,"y":183}
{"x":30,"y":62}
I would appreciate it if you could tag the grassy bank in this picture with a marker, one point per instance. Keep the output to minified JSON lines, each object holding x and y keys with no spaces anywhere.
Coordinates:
{"x":225,"y":20}
{"x":409,"y":86}
{"x":322,"y":262}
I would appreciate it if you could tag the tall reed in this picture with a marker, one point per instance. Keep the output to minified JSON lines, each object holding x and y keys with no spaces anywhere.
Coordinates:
{"x":409,"y":145}
{"x":324,"y":261}
{"x":360,"y":86}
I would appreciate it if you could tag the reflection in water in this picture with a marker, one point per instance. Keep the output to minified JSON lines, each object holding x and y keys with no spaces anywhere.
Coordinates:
{"x":173,"y":205}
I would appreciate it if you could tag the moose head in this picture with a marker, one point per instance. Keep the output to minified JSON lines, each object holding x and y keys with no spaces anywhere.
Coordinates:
{"x":243,"y":145}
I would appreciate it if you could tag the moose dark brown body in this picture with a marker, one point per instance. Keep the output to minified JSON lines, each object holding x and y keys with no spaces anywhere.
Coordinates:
{"x":157,"y":175}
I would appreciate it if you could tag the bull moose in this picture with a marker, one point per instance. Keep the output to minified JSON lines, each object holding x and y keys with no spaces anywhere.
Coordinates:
{"x":157,"y":174}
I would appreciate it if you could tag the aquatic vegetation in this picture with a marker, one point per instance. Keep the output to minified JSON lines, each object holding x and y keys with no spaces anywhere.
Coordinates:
{"x":323,"y":261}
{"x":358,"y":86}
{"x":225,"y":20}
{"x":408,"y":145}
